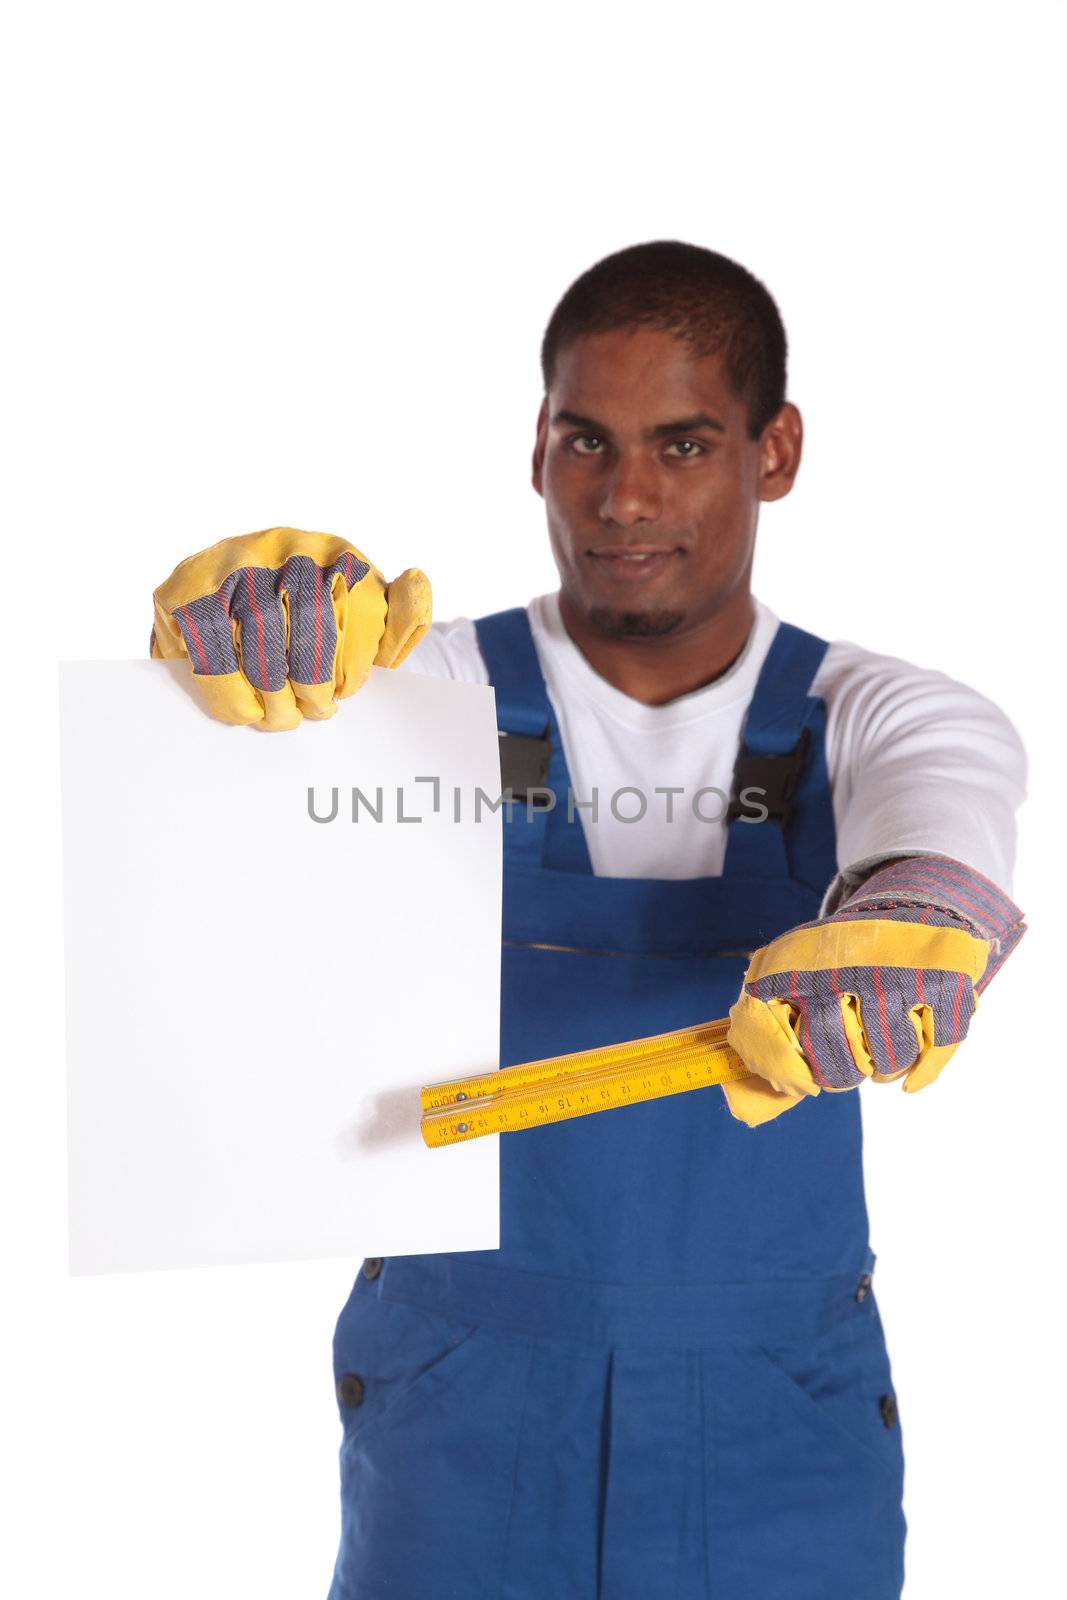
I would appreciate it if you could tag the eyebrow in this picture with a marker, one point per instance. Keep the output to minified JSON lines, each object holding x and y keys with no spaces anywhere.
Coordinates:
{"x":660,"y":431}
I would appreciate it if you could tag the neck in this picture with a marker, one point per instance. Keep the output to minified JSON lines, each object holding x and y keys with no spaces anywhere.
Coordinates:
{"x":658,"y":670}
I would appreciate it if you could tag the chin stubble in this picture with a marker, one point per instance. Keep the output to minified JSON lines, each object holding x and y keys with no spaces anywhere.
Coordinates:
{"x":635,"y":624}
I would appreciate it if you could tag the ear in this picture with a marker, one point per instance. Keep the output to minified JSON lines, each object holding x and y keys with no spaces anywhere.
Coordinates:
{"x":540,"y":443}
{"x":781,"y":444}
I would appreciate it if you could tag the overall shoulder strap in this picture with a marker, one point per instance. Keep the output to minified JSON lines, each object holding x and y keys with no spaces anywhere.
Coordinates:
{"x":533,"y":768}
{"x":507,"y":648}
{"x":780,"y":775}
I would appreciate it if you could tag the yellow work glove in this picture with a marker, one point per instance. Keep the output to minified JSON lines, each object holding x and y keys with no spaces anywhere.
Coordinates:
{"x":883,"y":989}
{"x":279,"y":625}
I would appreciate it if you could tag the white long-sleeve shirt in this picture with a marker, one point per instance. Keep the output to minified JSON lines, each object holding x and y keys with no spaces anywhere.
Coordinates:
{"x":917,"y":762}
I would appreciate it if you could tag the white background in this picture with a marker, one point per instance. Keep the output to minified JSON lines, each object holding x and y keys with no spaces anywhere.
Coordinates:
{"x":292,"y":263}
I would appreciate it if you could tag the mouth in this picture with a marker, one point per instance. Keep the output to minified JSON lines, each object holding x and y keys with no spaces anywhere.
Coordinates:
{"x":634,"y":563}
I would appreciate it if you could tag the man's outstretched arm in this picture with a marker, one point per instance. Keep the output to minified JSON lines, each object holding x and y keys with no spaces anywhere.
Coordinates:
{"x":927,"y":777}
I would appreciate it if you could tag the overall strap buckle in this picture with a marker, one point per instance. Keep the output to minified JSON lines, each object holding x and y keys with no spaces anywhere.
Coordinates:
{"x":524,"y":767}
{"x":774,"y":777}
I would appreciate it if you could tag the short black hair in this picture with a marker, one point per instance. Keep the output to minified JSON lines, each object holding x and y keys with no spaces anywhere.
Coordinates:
{"x":705,"y":298}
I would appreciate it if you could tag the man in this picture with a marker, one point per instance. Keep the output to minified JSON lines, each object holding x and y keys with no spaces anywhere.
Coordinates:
{"x":671,"y":1379}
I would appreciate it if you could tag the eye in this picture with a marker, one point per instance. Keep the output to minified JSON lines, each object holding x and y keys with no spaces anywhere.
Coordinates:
{"x":583,"y":439}
{"x":690,"y":447}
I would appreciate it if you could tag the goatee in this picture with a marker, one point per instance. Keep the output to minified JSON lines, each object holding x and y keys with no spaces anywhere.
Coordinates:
{"x":635,"y":624}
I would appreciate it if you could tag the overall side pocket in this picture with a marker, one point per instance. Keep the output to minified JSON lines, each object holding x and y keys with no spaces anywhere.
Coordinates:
{"x":842,"y":1385}
{"x":385,"y":1354}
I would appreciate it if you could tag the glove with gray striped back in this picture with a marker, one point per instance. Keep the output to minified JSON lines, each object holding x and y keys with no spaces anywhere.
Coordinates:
{"x":281,"y":624}
{"x":884,"y":988}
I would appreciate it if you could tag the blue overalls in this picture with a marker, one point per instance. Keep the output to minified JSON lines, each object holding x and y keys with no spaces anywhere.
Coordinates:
{"x":670,"y":1382}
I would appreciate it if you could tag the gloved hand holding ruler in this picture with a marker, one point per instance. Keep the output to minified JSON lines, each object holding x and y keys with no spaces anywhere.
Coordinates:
{"x":881,"y":989}
{"x":536,"y":1092}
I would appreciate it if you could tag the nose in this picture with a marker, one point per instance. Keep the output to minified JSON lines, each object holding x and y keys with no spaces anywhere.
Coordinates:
{"x":631,"y":494}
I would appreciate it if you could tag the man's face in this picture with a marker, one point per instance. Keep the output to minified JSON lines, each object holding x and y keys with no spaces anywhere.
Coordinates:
{"x":651,"y":483}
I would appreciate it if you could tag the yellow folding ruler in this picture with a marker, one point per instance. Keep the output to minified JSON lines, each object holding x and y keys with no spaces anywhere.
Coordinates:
{"x":535,"y":1092}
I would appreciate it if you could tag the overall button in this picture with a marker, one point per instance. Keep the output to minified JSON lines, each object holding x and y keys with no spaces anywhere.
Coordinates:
{"x":372,"y":1266}
{"x":350,"y":1390}
{"x":863,"y":1288}
{"x":888,"y":1407}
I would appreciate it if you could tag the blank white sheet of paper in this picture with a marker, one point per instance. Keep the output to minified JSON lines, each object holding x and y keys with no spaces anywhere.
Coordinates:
{"x":254,"y":997}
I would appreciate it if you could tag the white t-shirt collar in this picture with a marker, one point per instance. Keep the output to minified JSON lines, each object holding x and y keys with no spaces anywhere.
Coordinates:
{"x":560,"y":655}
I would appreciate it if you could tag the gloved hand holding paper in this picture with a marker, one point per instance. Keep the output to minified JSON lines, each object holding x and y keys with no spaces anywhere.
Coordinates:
{"x":279,"y":623}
